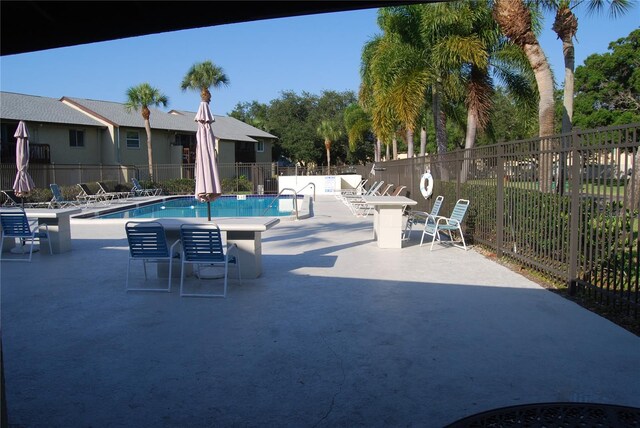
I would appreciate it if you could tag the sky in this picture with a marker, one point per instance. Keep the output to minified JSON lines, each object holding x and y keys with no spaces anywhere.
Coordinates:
{"x":261,"y":59}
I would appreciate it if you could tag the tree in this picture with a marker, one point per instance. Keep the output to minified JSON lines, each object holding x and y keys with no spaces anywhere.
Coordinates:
{"x":330,"y":131}
{"x":202,"y":76}
{"x":140,"y":98}
{"x":565,"y":26}
{"x":515,"y":21}
{"x":608,"y":85}
{"x":253,"y":113}
{"x":357,"y":124}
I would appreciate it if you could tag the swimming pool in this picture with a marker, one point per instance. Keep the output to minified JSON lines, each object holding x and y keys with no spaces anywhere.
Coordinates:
{"x":225,"y":206}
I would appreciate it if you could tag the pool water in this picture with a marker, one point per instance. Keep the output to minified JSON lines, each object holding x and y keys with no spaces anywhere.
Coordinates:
{"x":225,"y":206}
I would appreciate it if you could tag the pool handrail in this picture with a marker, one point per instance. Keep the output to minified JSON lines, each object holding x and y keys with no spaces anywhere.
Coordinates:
{"x":307,"y":185}
{"x":295,"y":201}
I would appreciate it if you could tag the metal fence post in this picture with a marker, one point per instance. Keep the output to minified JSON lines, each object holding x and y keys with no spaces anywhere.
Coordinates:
{"x":574,"y":233}
{"x":500,"y":200}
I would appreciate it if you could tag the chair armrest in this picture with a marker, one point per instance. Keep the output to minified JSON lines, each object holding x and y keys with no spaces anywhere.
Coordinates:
{"x":232,"y":248}
{"x":172,"y":248}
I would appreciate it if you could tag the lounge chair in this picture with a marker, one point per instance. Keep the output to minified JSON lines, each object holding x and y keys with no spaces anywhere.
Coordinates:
{"x":416,"y":217}
{"x":148,"y":244}
{"x":354,"y":201}
{"x":449,"y":225}
{"x":358,"y":190}
{"x":14,"y":201}
{"x":15,"y":224}
{"x":103,"y":190}
{"x":138,"y":190}
{"x":361,"y":208}
{"x":202,"y":245}
{"x":89,"y":196}
{"x":59,"y":201}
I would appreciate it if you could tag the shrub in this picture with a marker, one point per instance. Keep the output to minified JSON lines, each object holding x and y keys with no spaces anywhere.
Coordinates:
{"x":237,"y":185}
{"x":179,"y":186}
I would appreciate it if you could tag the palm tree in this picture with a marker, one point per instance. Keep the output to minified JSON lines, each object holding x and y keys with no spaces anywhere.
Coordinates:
{"x":357,"y":124}
{"x":515,"y":21}
{"x":202,"y":76}
{"x":366,"y":95}
{"x":565,"y":26}
{"x":330,"y":131}
{"x":141,"y":97}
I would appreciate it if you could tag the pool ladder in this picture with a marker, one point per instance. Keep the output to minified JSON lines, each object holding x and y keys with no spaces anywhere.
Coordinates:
{"x":295,"y":198}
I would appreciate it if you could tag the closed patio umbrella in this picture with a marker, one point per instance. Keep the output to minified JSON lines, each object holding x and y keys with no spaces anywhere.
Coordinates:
{"x":206,"y":168}
{"x":23,"y":185}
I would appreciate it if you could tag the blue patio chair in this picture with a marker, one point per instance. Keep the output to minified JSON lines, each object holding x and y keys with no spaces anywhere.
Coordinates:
{"x":59,"y":201}
{"x":202,"y":245}
{"x":449,"y":225}
{"x":148,"y":244}
{"x":138,"y":190}
{"x":416,"y":217}
{"x":15,"y":224}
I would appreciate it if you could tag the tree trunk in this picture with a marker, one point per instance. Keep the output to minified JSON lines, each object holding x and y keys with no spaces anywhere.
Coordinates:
{"x":566,"y":27}
{"x":469,"y":141}
{"x":377,"y":150}
{"x":327,"y":145}
{"x":409,"y":143}
{"x":514,"y":20}
{"x":439,"y":122}
{"x":423,"y":141}
{"x":544,"y":79}
{"x":388,"y":154}
{"x":395,"y":147}
{"x":147,"y":127}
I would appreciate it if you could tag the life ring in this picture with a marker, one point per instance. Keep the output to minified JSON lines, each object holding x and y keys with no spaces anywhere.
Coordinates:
{"x":426,"y":185}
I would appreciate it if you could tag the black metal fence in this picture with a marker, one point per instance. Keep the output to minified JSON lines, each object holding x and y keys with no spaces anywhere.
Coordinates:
{"x":564,"y":206}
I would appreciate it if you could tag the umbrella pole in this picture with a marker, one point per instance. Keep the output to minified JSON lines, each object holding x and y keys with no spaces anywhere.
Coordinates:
{"x":209,"y":210}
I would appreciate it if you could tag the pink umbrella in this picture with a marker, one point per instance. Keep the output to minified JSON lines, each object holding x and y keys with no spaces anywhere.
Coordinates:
{"x":206,"y":168}
{"x":24,"y":183}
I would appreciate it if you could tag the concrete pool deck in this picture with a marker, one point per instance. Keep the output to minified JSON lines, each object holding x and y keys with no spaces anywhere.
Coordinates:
{"x":336,"y":332}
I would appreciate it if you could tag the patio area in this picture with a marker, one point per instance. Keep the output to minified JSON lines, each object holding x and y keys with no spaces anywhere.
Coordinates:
{"x":336,"y":332}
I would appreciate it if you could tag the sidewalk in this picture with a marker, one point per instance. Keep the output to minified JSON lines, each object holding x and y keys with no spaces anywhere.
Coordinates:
{"x":336,"y":332}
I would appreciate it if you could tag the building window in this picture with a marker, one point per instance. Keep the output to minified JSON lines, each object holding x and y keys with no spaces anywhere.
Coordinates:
{"x":133,"y":140}
{"x":76,"y":138}
{"x":260,"y":146}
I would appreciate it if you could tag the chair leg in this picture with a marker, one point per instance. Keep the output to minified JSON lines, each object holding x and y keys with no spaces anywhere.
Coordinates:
{"x":170,"y":274}
{"x":182,"y":277}
{"x":226,"y":277}
{"x":126,"y":284}
{"x":436,"y":232}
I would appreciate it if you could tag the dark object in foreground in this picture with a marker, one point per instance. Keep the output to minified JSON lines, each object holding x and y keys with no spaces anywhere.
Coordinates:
{"x":554,"y":415}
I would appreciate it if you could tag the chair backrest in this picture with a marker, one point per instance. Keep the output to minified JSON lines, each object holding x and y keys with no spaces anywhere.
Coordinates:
{"x":12,"y":199}
{"x":136,"y":184}
{"x":398,"y":190}
{"x":360,"y":186}
{"x":459,"y":210}
{"x":146,"y":240}
{"x":57,"y":193}
{"x":385,"y":192}
{"x":374,"y":188}
{"x":103,"y":187}
{"x":86,"y":191}
{"x":435,"y":209}
{"x":202,"y":243}
{"x":15,"y":223}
